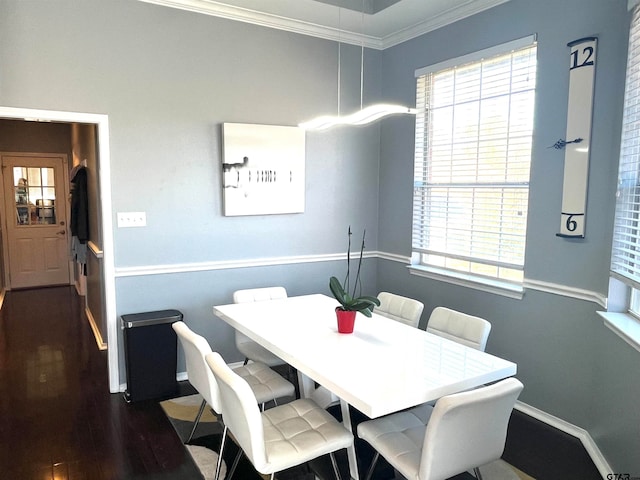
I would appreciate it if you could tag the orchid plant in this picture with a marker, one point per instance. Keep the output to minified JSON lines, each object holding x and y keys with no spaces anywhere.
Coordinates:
{"x":347,"y":297}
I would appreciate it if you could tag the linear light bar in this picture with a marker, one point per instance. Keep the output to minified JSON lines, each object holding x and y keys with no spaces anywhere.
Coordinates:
{"x":362,"y":117}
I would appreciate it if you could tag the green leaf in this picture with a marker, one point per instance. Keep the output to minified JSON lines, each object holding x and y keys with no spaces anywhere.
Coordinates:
{"x":336,"y":286}
{"x":336,"y":289}
{"x":371,"y":299}
{"x":360,"y":305}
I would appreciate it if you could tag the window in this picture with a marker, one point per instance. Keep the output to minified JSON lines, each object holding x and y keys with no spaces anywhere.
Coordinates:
{"x":35,"y":195}
{"x":623,"y":315}
{"x":625,"y":255}
{"x":473,"y":152}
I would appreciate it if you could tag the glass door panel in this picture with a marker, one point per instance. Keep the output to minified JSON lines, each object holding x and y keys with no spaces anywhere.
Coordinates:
{"x":35,"y":195}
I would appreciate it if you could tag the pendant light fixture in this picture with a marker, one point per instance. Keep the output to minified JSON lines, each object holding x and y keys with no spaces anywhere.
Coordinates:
{"x":364,"y":115}
{"x":361,"y":117}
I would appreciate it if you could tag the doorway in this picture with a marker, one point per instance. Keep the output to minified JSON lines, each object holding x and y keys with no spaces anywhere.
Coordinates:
{"x":35,"y":190}
{"x":104,"y":252}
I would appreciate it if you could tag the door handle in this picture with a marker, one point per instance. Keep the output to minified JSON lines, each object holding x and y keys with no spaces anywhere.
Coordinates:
{"x":61,"y":232}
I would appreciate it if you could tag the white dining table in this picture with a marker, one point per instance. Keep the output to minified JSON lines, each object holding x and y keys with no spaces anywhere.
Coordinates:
{"x":382,"y":367}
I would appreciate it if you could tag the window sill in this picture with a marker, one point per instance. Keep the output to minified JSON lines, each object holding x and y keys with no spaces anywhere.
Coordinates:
{"x":470,"y":281}
{"x":625,"y":326}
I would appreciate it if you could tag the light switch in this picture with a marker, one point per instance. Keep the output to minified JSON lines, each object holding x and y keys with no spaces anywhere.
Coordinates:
{"x":132,"y":219}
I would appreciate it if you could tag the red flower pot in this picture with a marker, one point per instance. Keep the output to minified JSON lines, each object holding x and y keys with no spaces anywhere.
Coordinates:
{"x":346,"y":319}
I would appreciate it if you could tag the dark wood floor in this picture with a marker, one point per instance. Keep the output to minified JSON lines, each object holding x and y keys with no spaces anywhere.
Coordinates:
{"x":58,"y":420}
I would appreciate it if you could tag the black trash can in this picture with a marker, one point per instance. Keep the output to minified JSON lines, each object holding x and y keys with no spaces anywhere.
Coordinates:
{"x":150,"y":351}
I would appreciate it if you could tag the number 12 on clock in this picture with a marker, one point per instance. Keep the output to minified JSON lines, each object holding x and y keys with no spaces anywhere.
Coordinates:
{"x":582,"y":68}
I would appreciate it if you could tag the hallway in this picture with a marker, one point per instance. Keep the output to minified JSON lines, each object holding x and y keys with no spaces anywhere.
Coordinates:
{"x":58,"y":419}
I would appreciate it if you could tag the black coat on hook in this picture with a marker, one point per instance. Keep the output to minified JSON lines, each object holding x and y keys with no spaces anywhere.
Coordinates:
{"x":80,"y":206}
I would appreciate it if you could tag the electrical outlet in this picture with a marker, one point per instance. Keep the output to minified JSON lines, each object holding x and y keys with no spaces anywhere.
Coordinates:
{"x":132,"y":219}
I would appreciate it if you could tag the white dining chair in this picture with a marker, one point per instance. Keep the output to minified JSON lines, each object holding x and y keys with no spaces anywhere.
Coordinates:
{"x":265,"y":384}
{"x":459,"y":327}
{"x":250,"y":349}
{"x":281,"y":437}
{"x":399,"y":308}
{"x":462,"y":432}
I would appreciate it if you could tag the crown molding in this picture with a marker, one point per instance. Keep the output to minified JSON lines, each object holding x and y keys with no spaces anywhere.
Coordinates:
{"x":445,"y":18}
{"x":230,"y":12}
{"x":268,"y":20}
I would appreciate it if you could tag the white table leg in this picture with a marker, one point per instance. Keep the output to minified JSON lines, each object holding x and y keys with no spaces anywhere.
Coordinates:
{"x":307,"y":386}
{"x":324,"y":398}
{"x":351,"y":451}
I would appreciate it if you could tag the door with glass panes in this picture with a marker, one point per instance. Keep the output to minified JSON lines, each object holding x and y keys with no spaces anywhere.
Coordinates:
{"x":36,"y":219}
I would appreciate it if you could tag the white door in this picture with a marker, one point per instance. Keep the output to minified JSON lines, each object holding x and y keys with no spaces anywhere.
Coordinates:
{"x":36,"y":219}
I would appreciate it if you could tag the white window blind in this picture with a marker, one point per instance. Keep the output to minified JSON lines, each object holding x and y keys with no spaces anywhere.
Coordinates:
{"x":473,"y":153}
{"x":625,"y":257}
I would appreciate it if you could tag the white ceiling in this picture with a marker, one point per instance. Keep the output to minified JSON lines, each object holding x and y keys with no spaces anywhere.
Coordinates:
{"x":393,"y":21}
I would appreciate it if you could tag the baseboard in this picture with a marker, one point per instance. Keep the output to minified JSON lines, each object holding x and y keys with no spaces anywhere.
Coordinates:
{"x":581,"y":434}
{"x":96,"y":331}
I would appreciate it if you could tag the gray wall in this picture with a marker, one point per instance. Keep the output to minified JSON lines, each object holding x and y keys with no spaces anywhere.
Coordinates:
{"x":572,"y":366}
{"x":168,"y":79}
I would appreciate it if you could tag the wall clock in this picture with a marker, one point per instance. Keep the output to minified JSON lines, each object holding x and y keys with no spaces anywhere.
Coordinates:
{"x":582,"y":68}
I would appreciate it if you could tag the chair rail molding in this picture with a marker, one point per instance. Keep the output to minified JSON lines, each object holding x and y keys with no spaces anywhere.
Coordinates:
{"x":566,"y":291}
{"x":144,"y":270}
{"x":233,"y":264}
{"x":95,"y":249}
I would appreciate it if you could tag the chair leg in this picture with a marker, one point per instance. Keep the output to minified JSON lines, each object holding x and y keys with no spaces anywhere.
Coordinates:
{"x":235,"y":464}
{"x":476,"y":472}
{"x":263,"y":406}
{"x":335,"y":465}
{"x":195,"y":424}
{"x":219,"y":463}
{"x":373,"y":464}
